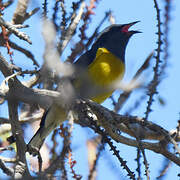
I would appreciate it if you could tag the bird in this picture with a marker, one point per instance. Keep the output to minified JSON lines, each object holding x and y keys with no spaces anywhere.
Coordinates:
{"x":104,"y":64}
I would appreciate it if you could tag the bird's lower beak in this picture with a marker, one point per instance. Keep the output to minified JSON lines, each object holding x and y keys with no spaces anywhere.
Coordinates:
{"x":131,"y":24}
{"x":134,"y":32}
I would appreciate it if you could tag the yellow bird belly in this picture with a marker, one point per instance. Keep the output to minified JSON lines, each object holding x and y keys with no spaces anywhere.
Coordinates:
{"x":104,"y":71}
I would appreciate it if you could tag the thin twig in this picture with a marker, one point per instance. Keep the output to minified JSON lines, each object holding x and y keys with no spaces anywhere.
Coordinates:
{"x":45,"y":11}
{"x":115,"y":151}
{"x":71,"y":29}
{"x":26,"y":52}
{"x":125,"y":95}
{"x":6,"y":170}
{"x":153,"y":84}
{"x":138,"y":169}
{"x":166,"y":165}
{"x":8,"y":3}
{"x":55,"y":11}
{"x":8,"y":148}
{"x":94,"y":167}
{"x":82,"y":45}
{"x":140,"y":147}
{"x":8,"y":160}
{"x":167,"y":16}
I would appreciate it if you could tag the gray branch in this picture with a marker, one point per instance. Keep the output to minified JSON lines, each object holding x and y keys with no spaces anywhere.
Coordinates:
{"x":6,"y":170}
{"x":14,"y":29}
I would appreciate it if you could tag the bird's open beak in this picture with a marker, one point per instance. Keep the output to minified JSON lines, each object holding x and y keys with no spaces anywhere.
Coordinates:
{"x":127,"y":26}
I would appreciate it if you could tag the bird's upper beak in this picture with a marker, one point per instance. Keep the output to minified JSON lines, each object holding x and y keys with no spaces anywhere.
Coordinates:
{"x":127,"y":26}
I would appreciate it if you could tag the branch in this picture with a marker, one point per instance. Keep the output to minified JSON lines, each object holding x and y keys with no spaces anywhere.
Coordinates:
{"x":6,"y":170}
{"x":8,"y":3}
{"x":81,"y":45}
{"x":8,"y":160}
{"x":13,"y":29}
{"x":26,"y":52}
{"x":71,"y":29}
{"x":5,"y":67}
{"x":114,"y":123}
{"x":154,"y":83}
{"x":44,"y":98}
{"x":20,"y":13}
{"x":21,"y":166}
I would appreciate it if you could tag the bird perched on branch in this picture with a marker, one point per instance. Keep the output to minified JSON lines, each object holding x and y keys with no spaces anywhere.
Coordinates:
{"x":104,"y":65}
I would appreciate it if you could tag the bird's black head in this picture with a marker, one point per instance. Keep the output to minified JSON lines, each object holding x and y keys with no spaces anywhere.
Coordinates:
{"x":115,"y":39}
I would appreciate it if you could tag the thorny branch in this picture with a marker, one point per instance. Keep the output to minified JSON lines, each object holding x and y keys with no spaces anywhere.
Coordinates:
{"x":155,"y":132}
{"x":154,"y":83}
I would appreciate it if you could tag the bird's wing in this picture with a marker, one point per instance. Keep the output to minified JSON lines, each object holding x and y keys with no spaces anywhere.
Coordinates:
{"x":85,"y":59}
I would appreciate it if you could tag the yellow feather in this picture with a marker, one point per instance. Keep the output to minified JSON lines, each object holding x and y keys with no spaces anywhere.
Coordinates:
{"x":104,"y":71}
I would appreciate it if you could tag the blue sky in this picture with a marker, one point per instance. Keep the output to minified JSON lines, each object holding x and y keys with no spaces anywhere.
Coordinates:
{"x":138,"y":48}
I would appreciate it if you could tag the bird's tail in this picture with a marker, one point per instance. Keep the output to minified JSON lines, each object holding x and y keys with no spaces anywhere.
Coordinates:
{"x":50,"y":120}
{"x":39,"y":137}
{"x":37,"y":140}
